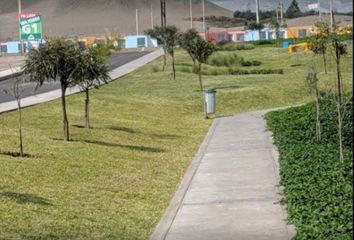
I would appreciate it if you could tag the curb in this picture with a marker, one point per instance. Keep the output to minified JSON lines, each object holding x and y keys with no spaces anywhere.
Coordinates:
{"x":166,"y":221}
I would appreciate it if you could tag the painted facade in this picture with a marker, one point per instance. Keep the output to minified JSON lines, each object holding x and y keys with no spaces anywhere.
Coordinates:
{"x":300,"y":31}
{"x":138,"y":41}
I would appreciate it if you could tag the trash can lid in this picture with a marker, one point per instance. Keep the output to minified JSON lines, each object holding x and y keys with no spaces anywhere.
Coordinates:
{"x":211,"y":90}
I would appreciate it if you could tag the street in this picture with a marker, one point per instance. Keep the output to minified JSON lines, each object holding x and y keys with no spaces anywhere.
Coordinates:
{"x":28,"y":89}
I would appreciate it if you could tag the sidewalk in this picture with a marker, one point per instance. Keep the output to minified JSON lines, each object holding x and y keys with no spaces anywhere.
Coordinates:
{"x":231,"y":189}
{"x":114,"y":74}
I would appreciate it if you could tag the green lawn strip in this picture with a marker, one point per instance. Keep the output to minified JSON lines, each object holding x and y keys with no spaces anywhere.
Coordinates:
{"x":318,"y":187}
{"x":115,"y":180}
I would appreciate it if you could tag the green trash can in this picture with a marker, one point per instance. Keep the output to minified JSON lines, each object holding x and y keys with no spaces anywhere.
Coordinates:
{"x":210,"y":101}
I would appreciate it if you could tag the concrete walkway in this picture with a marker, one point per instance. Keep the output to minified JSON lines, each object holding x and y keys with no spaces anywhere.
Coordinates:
{"x":231,"y":189}
{"x":114,"y":74}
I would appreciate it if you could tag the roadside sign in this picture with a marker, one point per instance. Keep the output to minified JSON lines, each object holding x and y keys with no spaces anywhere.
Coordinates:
{"x":30,"y":26}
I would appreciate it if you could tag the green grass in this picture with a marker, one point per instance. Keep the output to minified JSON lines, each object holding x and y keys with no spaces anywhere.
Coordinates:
{"x":115,"y":180}
{"x":318,"y":187}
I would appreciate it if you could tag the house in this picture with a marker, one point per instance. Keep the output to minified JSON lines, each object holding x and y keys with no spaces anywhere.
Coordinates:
{"x":140,"y":41}
{"x":300,"y":31}
{"x":237,"y":34}
{"x":218,"y":36}
{"x":14,"y":47}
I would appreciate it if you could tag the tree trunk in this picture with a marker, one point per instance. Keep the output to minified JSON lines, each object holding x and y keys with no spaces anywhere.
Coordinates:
{"x":325,"y":62}
{"x":318,"y":120}
{"x":340,"y":126}
{"x":20,"y":126}
{"x":173,"y":65}
{"x":202,"y":89}
{"x":339,"y":102}
{"x":87,"y":110}
{"x":200,"y":77}
{"x":339,"y":77}
{"x":164,"y":59}
{"x":65,"y":116}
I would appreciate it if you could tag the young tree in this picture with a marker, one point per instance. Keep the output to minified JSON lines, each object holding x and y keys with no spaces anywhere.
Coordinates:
{"x":312,"y":81}
{"x":159,"y":33}
{"x":16,"y":92}
{"x":276,"y":25}
{"x":293,"y":11}
{"x":339,"y":49}
{"x":187,"y":40}
{"x":54,"y":61}
{"x":91,"y":72}
{"x":318,"y":43}
{"x":172,"y":35}
{"x":201,"y":51}
{"x":168,"y":37}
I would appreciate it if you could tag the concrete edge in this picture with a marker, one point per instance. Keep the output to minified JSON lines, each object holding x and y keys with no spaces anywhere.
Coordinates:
{"x":167,"y":219}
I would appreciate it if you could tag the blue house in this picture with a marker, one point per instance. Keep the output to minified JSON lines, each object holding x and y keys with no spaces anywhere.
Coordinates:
{"x":138,"y":41}
{"x":252,"y":35}
{"x":14,"y":47}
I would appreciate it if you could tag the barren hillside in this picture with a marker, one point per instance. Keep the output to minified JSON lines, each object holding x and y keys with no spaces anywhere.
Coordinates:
{"x":75,"y":17}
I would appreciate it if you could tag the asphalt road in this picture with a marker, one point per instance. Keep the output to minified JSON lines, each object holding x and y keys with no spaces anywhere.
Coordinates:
{"x":28,"y":89}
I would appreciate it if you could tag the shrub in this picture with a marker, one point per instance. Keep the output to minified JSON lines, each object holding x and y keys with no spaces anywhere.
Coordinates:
{"x":318,"y":187}
{"x":235,"y":46}
{"x":221,"y":59}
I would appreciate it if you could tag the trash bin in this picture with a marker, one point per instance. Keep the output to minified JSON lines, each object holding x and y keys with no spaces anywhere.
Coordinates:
{"x":210,"y":101}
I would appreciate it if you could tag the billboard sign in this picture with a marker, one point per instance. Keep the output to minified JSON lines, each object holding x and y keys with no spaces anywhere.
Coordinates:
{"x":30,"y":26}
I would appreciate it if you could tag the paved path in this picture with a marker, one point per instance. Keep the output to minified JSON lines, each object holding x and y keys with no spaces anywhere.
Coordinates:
{"x":230,"y":191}
{"x":54,"y":94}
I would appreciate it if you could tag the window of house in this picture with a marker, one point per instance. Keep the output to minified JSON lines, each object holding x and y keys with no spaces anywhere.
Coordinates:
{"x":221,"y":37}
{"x":302,"y":32}
{"x":262,"y":35}
{"x":240,"y":37}
{"x":4,"y":48}
{"x":141,"y":42}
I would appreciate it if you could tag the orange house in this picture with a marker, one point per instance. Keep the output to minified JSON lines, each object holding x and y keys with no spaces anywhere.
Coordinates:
{"x":300,"y":31}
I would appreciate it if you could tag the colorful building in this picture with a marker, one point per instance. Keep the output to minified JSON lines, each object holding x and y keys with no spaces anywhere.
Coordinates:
{"x":300,"y":31}
{"x":139,"y":41}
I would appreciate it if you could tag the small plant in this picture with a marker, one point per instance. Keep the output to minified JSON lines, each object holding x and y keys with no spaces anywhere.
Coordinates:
{"x":16,"y":92}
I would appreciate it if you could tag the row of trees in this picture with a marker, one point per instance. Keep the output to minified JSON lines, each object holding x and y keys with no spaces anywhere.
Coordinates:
{"x":198,"y":49}
{"x":326,"y":42}
{"x":64,"y":61}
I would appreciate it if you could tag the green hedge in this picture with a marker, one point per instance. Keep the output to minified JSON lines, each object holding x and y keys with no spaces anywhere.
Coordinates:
{"x":318,"y":187}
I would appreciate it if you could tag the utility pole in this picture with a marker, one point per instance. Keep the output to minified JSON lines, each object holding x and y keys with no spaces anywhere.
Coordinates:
{"x":204,"y":26}
{"x":151,"y":15}
{"x":331,"y":14}
{"x":319,"y":9}
{"x":281,"y":13}
{"x":191,"y":12}
{"x":257,"y":11}
{"x":19,"y":3}
{"x":163,"y":13}
{"x":137,"y":21}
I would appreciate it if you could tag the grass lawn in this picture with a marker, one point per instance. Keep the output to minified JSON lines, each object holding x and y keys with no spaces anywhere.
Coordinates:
{"x":115,"y":180}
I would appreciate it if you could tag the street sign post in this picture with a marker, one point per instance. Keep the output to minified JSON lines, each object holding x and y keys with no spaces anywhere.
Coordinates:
{"x":30,"y":26}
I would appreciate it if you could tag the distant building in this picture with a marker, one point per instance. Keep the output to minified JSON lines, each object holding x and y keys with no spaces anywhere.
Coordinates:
{"x":140,"y":41}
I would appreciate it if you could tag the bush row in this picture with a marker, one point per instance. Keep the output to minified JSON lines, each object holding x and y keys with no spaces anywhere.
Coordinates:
{"x":226,"y":60}
{"x":234,"y":47}
{"x":228,"y":71}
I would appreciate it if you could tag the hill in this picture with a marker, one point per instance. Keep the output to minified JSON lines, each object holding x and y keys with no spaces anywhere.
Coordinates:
{"x":241,"y":5}
{"x":76,"y":17}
